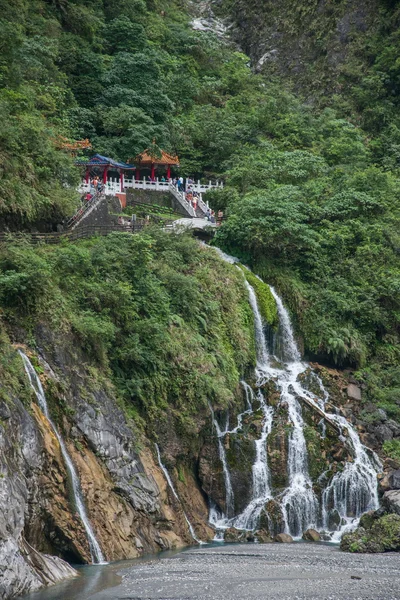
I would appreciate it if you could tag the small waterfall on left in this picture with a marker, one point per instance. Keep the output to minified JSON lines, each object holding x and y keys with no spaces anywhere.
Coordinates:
{"x":95,"y":550}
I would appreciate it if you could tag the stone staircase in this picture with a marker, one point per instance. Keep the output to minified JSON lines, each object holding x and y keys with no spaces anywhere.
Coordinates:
{"x":180,"y":196}
{"x":85,"y":211}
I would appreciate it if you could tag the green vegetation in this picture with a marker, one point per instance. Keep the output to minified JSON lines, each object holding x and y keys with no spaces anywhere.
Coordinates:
{"x":312,"y":188}
{"x":120,"y":74}
{"x":166,"y":319}
{"x":392,"y":449}
{"x":374,"y":535}
{"x":266,"y":301}
{"x":12,"y":374}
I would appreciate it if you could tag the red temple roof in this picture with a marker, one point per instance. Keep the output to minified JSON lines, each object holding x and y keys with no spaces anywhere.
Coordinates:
{"x":147,"y":158}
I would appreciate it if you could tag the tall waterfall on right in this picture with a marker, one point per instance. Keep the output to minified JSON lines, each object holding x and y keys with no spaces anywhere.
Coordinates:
{"x":330,"y":503}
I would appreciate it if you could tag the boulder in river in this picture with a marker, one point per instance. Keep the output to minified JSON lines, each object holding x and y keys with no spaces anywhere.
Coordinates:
{"x":311,"y":535}
{"x":263,"y":537}
{"x":233,"y":535}
{"x":283,"y":538}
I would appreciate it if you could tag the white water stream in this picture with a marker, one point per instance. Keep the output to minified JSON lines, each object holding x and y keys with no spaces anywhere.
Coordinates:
{"x":171,"y":485}
{"x":346,"y":496}
{"x":95,"y":550}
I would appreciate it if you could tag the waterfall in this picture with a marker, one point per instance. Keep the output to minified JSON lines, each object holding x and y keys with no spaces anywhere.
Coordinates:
{"x":289,"y":347}
{"x":261,"y":344}
{"x":347,"y":495}
{"x":171,"y":485}
{"x":229,"y":498}
{"x":261,"y":491}
{"x":95,"y":550}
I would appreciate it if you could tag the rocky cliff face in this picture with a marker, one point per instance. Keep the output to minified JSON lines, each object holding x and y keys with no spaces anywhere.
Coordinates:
{"x":129,"y":504}
{"x":131,"y":507}
{"x":308,"y":43}
{"x":23,"y":461}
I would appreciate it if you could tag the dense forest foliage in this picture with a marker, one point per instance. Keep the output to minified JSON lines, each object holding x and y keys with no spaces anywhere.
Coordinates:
{"x":162,"y":317}
{"x":312,"y":188}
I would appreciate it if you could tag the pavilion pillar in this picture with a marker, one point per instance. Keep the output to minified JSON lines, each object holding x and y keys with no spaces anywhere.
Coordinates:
{"x":105,"y":173}
{"x":121,"y":179}
{"x":87,"y":175}
{"x":169,"y":172}
{"x":153,"y":171}
{"x":137,"y":174}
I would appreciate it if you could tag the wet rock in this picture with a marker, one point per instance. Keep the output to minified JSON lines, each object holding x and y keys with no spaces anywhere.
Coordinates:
{"x":263,"y":537}
{"x":383,"y":433}
{"x":271,"y":518}
{"x":334,"y":520}
{"x":283,"y":538}
{"x":5,"y":412}
{"x":311,"y":535}
{"x":384,"y":484}
{"x":211,"y":473}
{"x":395,"y":427}
{"x":240,"y":455}
{"x":23,"y":568}
{"x":391,"y":501}
{"x":277,"y":450}
{"x":233,"y":535}
{"x":394,"y":480}
{"x":367,"y":520}
{"x":381,"y":414}
{"x":353,"y":391}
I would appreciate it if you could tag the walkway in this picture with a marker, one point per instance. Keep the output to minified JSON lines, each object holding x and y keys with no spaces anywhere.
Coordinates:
{"x":194,"y":223}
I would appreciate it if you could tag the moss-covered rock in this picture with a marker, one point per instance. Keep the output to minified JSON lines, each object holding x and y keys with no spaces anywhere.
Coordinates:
{"x":375,"y":534}
{"x":271,"y":518}
{"x":240,"y":455}
{"x":277,"y":450}
{"x":265,"y":299}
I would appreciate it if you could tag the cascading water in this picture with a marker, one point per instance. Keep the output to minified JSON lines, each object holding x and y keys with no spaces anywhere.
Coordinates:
{"x":171,"y":485}
{"x":299,"y":503}
{"x":261,"y":491}
{"x":229,"y":500}
{"x":95,"y":550}
{"x":347,"y":495}
{"x":261,"y":344}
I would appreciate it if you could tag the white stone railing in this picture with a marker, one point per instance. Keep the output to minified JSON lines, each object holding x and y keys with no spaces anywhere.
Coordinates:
{"x":161,"y":186}
{"x":202,"y":205}
{"x":144,"y":184}
{"x":114,"y":186}
{"x":180,"y":196}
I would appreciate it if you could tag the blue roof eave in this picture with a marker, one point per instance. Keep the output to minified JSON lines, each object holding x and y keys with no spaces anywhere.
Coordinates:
{"x":98,"y":160}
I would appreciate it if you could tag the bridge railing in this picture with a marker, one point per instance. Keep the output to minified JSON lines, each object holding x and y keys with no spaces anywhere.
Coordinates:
{"x":180,"y":196}
{"x":116,"y":186}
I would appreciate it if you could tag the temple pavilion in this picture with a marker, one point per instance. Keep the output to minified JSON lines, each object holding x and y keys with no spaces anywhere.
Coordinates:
{"x":101,"y":165}
{"x":149,"y":160}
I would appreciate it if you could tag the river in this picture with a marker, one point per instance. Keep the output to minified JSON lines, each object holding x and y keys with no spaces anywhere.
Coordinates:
{"x":301,"y":571}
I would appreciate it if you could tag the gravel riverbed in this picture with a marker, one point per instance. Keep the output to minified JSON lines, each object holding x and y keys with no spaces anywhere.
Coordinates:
{"x":241,"y":572}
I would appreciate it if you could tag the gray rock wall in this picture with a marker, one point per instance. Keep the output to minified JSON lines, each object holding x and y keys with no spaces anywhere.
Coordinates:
{"x":22,"y":568}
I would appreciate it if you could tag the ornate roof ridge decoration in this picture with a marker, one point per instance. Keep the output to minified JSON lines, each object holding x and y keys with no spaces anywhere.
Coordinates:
{"x":98,"y":160}
{"x":64,"y":143}
{"x":148,"y":157}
